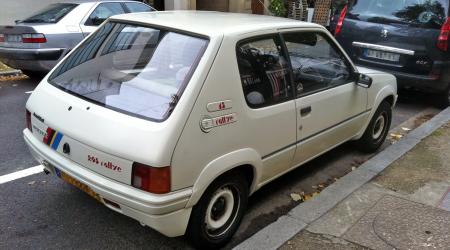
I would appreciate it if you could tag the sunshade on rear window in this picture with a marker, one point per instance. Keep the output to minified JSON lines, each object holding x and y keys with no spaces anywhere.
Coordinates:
{"x":51,"y":14}
{"x":422,"y":13}
{"x":141,"y":71}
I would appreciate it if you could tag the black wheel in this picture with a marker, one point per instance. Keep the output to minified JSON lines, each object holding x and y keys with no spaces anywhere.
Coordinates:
{"x":34,"y":74}
{"x":377,"y":130}
{"x":444,"y":98}
{"x":216,"y":217}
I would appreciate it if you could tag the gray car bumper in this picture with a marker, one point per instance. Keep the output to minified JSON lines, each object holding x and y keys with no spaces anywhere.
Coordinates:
{"x":31,"y":54}
{"x":42,"y":60}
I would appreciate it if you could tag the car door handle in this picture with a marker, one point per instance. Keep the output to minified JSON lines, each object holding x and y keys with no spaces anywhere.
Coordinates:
{"x":305,"y":111}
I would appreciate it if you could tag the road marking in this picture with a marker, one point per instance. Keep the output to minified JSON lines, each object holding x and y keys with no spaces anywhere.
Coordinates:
{"x":29,"y":92}
{"x":21,"y":174}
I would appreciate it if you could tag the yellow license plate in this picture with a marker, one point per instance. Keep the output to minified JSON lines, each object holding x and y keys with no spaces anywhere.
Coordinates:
{"x":83,"y":187}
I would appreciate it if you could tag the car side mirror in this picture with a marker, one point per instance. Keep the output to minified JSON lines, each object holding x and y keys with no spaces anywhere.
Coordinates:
{"x":364,"y":80}
{"x":97,"y":20}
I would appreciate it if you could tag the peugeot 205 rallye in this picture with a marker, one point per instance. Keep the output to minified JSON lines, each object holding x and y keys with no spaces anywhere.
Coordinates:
{"x":175,"y":118}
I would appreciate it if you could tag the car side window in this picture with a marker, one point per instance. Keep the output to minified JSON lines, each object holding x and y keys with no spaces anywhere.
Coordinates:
{"x":102,"y":12}
{"x":264,"y":71}
{"x":137,"y":7}
{"x":317,"y":64}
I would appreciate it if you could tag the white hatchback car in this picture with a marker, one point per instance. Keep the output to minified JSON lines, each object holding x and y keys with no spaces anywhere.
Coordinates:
{"x":175,"y":118}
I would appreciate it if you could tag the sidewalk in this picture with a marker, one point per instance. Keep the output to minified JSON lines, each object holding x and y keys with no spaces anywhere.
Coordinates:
{"x":400,"y":199}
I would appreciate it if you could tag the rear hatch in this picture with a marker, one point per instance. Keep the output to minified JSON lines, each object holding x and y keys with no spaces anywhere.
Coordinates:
{"x":109,"y":98}
{"x":398,"y":35}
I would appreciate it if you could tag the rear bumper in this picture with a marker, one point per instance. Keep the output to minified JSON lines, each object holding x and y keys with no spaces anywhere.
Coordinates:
{"x":31,"y":54}
{"x":433,"y":83}
{"x":164,"y":213}
{"x":31,"y":59}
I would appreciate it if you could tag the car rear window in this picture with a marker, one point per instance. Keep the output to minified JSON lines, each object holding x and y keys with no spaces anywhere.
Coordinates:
{"x":141,"y":71}
{"x":51,"y":14}
{"x":423,"y":13}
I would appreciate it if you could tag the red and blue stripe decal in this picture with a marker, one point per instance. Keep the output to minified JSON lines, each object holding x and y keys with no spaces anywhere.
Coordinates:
{"x":52,"y":138}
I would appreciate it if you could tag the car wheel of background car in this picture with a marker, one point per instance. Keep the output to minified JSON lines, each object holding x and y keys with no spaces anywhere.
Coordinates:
{"x":34,"y":74}
{"x":377,"y":130}
{"x":216,"y":217}
{"x":444,"y":98}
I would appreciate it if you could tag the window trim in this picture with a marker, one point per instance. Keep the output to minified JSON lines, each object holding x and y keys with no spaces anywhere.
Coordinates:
{"x":332,"y":42}
{"x":127,"y":10}
{"x":283,"y":51}
{"x":88,"y":21}
{"x":181,"y":90}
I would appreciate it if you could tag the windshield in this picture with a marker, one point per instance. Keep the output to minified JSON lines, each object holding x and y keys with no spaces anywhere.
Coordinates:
{"x":51,"y":14}
{"x":136,"y":70}
{"x":422,"y":13}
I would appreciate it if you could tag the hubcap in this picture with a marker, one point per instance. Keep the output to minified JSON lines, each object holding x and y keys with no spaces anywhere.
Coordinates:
{"x":220,"y":209}
{"x":378,"y":128}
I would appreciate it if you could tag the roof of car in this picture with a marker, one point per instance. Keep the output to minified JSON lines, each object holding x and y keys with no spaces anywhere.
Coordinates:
{"x":212,"y":23}
{"x":96,"y":1}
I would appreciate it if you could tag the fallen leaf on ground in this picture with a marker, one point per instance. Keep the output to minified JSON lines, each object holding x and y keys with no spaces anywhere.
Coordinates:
{"x":31,"y":182}
{"x":296,"y":197}
{"x":406,"y":129}
{"x":396,"y":136}
{"x":307,"y":197}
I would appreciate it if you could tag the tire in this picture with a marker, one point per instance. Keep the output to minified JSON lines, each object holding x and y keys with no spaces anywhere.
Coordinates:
{"x":444,"y":98}
{"x":378,"y":128}
{"x":226,"y":200}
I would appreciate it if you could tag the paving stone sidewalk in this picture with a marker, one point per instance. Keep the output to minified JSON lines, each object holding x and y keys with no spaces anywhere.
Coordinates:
{"x":406,"y":206}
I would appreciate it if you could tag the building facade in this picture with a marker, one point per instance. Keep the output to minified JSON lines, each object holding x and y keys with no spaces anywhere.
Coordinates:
{"x":244,"y":6}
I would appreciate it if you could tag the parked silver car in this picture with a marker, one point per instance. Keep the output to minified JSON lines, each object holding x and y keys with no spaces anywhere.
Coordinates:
{"x":35,"y":44}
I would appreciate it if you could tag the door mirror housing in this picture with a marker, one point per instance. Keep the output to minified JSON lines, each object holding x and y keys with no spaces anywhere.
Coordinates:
{"x":96,"y":21}
{"x":363,"y":80}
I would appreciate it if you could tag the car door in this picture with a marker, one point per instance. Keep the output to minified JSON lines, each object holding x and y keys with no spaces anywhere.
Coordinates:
{"x":330,"y":105}
{"x":99,"y":15}
{"x":269,"y":112}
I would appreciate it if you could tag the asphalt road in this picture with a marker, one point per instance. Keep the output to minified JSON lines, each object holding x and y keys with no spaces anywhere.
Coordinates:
{"x":42,"y":211}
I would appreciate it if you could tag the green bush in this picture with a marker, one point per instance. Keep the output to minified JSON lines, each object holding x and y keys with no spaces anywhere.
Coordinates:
{"x":277,"y":8}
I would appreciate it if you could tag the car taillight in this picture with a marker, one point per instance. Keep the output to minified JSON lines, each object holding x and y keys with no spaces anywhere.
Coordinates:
{"x":340,"y":22}
{"x":28,"y":119}
{"x":34,"y":38}
{"x":151,"y":179}
{"x":444,"y":36}
{"x":2,"y":38}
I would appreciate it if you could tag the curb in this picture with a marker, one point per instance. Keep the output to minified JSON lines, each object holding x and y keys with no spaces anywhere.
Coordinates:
{"x":10,"y":72}
{"x":276,"y":234}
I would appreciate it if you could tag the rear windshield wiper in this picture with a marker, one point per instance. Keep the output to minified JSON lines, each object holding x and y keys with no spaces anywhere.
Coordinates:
{"x":34,"y":21}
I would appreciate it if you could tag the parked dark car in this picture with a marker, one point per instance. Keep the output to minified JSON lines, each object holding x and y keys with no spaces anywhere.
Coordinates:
{"x":408,"y":38}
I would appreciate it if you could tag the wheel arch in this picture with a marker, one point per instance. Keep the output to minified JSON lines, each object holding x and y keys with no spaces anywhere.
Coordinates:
{"x":246,"y":161}
{"x":385,"y":94}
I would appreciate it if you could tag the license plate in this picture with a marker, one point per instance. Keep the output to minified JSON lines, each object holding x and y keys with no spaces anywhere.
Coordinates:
{"x":387,"y":56}
{"x":83,"y":187}
{"x":14,"y":38}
